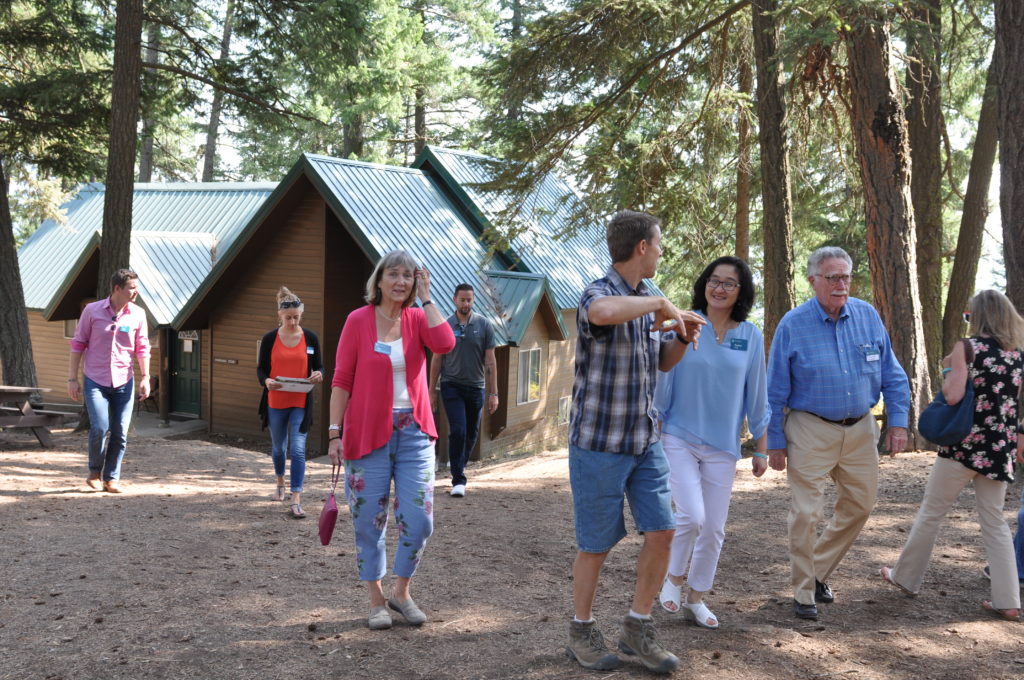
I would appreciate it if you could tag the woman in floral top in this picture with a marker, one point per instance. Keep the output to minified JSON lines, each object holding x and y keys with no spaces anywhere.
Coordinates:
{"x":985,"y":456}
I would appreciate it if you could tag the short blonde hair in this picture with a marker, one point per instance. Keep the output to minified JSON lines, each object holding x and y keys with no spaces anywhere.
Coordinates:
{"x":396,"y":258}
{"x":993,"y":314}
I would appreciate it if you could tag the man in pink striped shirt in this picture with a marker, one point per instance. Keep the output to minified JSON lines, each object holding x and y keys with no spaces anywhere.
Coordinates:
{"x":110,"y":332}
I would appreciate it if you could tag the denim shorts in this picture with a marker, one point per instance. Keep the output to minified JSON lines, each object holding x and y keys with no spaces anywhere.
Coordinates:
{"x":600,"y":481}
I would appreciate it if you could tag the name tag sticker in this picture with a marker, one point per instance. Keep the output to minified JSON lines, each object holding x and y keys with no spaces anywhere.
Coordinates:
{"x":739,"y":344}
{"x":871,"y":354}
{"x":382,"y":348}
{"x":125,"y":329}
{"x":309,"y":350}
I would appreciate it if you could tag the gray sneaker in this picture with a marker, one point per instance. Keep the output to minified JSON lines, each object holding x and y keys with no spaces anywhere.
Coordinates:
{"x":639,"y":638}
{"x":586,"y":645}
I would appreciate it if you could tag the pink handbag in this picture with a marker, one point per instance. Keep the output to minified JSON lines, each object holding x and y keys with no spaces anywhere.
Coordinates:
{"x":329,"y":515}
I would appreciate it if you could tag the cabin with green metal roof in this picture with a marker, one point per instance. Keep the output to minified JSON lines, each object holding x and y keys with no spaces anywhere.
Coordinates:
{"x":178,"y":229}
{"x":320,"y":233}
{"x":211,"y":258}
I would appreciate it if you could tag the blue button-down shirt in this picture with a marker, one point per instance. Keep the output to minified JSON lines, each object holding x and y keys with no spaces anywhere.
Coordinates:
{"x":834,"y":369}
{"x":616,"y":370}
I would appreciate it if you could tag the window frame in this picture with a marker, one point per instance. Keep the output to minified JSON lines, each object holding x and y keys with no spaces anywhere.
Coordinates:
{"x":529,"y":354}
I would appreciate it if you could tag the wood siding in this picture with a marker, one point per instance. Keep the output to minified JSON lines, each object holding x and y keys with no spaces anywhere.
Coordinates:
{"x":293,"y":256}
{"x":534,"y":426}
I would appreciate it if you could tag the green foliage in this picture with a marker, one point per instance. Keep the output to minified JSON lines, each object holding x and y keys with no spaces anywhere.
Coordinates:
{"x":54,"y":99}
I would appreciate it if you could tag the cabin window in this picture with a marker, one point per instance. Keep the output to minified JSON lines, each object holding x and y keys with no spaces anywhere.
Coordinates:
{"x":529,"y":376}
{"x":70,"y":326}
{"x":564,"y":406}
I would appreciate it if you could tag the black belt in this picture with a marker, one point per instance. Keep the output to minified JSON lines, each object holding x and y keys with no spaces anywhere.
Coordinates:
{"x":845,"y":422}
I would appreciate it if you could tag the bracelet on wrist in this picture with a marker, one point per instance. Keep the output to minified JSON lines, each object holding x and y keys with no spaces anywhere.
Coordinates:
{"x":331,"y":439}
{"x":426,"y":302}
{"x":72,"y":379}
{"x":758,"y":454}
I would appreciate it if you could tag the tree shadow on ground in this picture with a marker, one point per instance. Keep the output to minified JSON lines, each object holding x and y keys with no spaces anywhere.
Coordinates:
{"x":195,"y":572}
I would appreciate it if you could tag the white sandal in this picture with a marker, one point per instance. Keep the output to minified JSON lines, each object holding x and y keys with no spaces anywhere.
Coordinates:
{"x":699,"y":613}
{"x":669,"y":596}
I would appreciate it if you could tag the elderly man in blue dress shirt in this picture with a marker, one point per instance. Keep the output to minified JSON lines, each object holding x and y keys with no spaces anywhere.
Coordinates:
{"x":830,"y":360}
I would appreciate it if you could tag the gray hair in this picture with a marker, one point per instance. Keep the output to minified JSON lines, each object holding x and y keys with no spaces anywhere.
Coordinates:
{"x":396,"y":258}
{"x":826,"y":253}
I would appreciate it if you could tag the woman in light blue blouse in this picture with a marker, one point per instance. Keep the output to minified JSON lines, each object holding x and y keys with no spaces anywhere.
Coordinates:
{"x":703,"y":402}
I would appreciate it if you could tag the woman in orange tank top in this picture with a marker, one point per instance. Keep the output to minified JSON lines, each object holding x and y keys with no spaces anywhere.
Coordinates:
{"x":288,"y":352}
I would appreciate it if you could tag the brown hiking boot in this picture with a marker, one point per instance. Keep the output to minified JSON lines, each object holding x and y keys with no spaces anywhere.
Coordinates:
{"x":586,"y":645}
{"x":639,"y":638}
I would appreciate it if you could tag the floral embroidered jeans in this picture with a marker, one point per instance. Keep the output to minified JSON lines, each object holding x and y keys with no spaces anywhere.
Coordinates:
{"x":408,"y":459}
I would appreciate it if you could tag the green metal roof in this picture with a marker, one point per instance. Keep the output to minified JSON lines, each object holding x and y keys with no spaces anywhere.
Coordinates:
{"x":387,"y":207}
{"x":176,"y":230}
{"x":571,"y":261}
{"x":519,"y":296}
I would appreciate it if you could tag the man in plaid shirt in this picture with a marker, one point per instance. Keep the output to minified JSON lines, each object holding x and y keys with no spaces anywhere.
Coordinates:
{"x":614,"y":437}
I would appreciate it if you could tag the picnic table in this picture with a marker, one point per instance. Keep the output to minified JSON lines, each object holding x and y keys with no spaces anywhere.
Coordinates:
{"x":23,"y":415}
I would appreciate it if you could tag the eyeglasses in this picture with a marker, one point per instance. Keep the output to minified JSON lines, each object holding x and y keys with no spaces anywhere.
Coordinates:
{"x":967,"y":317}
{"x":727,"y":286}
{"x":835,"y":279}
{"x":291,"y":303}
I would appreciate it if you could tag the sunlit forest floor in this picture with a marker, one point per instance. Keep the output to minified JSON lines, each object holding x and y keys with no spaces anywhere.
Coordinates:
{"x":195,"y":572}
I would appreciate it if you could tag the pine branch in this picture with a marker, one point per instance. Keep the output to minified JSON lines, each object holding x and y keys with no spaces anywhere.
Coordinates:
{"x":234,"y":92}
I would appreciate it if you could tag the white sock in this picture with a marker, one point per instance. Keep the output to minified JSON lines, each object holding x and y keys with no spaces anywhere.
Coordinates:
{"x":642,"y":617}
{"x":579,"y":620}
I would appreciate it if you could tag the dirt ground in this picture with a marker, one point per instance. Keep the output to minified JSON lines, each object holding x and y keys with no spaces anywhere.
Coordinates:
{"x":194,"y":572}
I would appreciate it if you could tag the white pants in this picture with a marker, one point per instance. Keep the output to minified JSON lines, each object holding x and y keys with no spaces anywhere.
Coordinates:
{"x":945,"y":482}
{"x":701,"y":481}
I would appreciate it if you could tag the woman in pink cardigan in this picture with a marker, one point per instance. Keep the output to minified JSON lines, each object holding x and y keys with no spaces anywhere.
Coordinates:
{"x":382,"y":427}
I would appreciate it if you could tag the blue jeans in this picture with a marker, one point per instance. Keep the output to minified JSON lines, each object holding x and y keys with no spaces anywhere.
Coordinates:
{"x":110,"y":413}
{"x":600,"y":481}
{"x":463,"y":405}
{"x":284,"y":433}
{"x":1018,"y":536}
{"x":408,"y":458}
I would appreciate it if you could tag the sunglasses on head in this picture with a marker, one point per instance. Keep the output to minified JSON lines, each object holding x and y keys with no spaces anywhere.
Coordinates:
{"x":291,"y":303}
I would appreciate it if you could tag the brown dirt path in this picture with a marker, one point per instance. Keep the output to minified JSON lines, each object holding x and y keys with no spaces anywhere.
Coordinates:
{"x":194,"y":573}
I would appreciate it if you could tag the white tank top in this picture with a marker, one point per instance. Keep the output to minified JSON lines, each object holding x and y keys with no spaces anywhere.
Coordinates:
{"x":401,"y":387}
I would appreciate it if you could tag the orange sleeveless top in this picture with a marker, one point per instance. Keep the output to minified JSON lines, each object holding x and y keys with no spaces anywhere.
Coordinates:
{"x":288,"y":362}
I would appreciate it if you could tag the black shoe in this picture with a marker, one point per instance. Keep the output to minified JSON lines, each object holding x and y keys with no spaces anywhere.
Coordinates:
{"x":822,"y":593}
{"x":805,"y":611}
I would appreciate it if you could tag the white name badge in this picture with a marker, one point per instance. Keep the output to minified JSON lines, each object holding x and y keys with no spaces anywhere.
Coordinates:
{"x":382,"y":348}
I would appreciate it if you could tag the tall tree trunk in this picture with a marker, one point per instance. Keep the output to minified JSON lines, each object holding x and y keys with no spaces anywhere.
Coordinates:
{"x":743,"y":174}
{"x":924,"y":125}
{"x":352,"y":141}
{"x":146,"y":146}
{"x":883,"y":152}
{"x":124,"y":118}
{"x":514,"y":112}
{"x":773,"y":134}
{"x":1010,"y":79}
{"x":16,"y":360}
{"x":420,"y":120}
{"x":974,"y":215}
{"x":217,"y":107}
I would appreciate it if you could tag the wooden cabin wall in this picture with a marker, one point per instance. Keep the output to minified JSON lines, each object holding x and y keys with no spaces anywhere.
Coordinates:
{"x":293,"y":256}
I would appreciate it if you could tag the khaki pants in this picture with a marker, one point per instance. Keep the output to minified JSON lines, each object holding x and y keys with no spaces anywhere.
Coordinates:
{"x":945,"y":482}
{"x":816,"y":451}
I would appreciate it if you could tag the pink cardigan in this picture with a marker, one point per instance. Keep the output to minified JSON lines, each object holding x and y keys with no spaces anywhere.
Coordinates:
{"x":366,"y":376}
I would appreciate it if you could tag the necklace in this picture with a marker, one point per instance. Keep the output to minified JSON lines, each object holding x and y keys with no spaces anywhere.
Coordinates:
{"x":390,"y":318}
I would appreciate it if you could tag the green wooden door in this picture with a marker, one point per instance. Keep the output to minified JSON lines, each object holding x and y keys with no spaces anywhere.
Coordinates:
{"x":185,"y":373}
